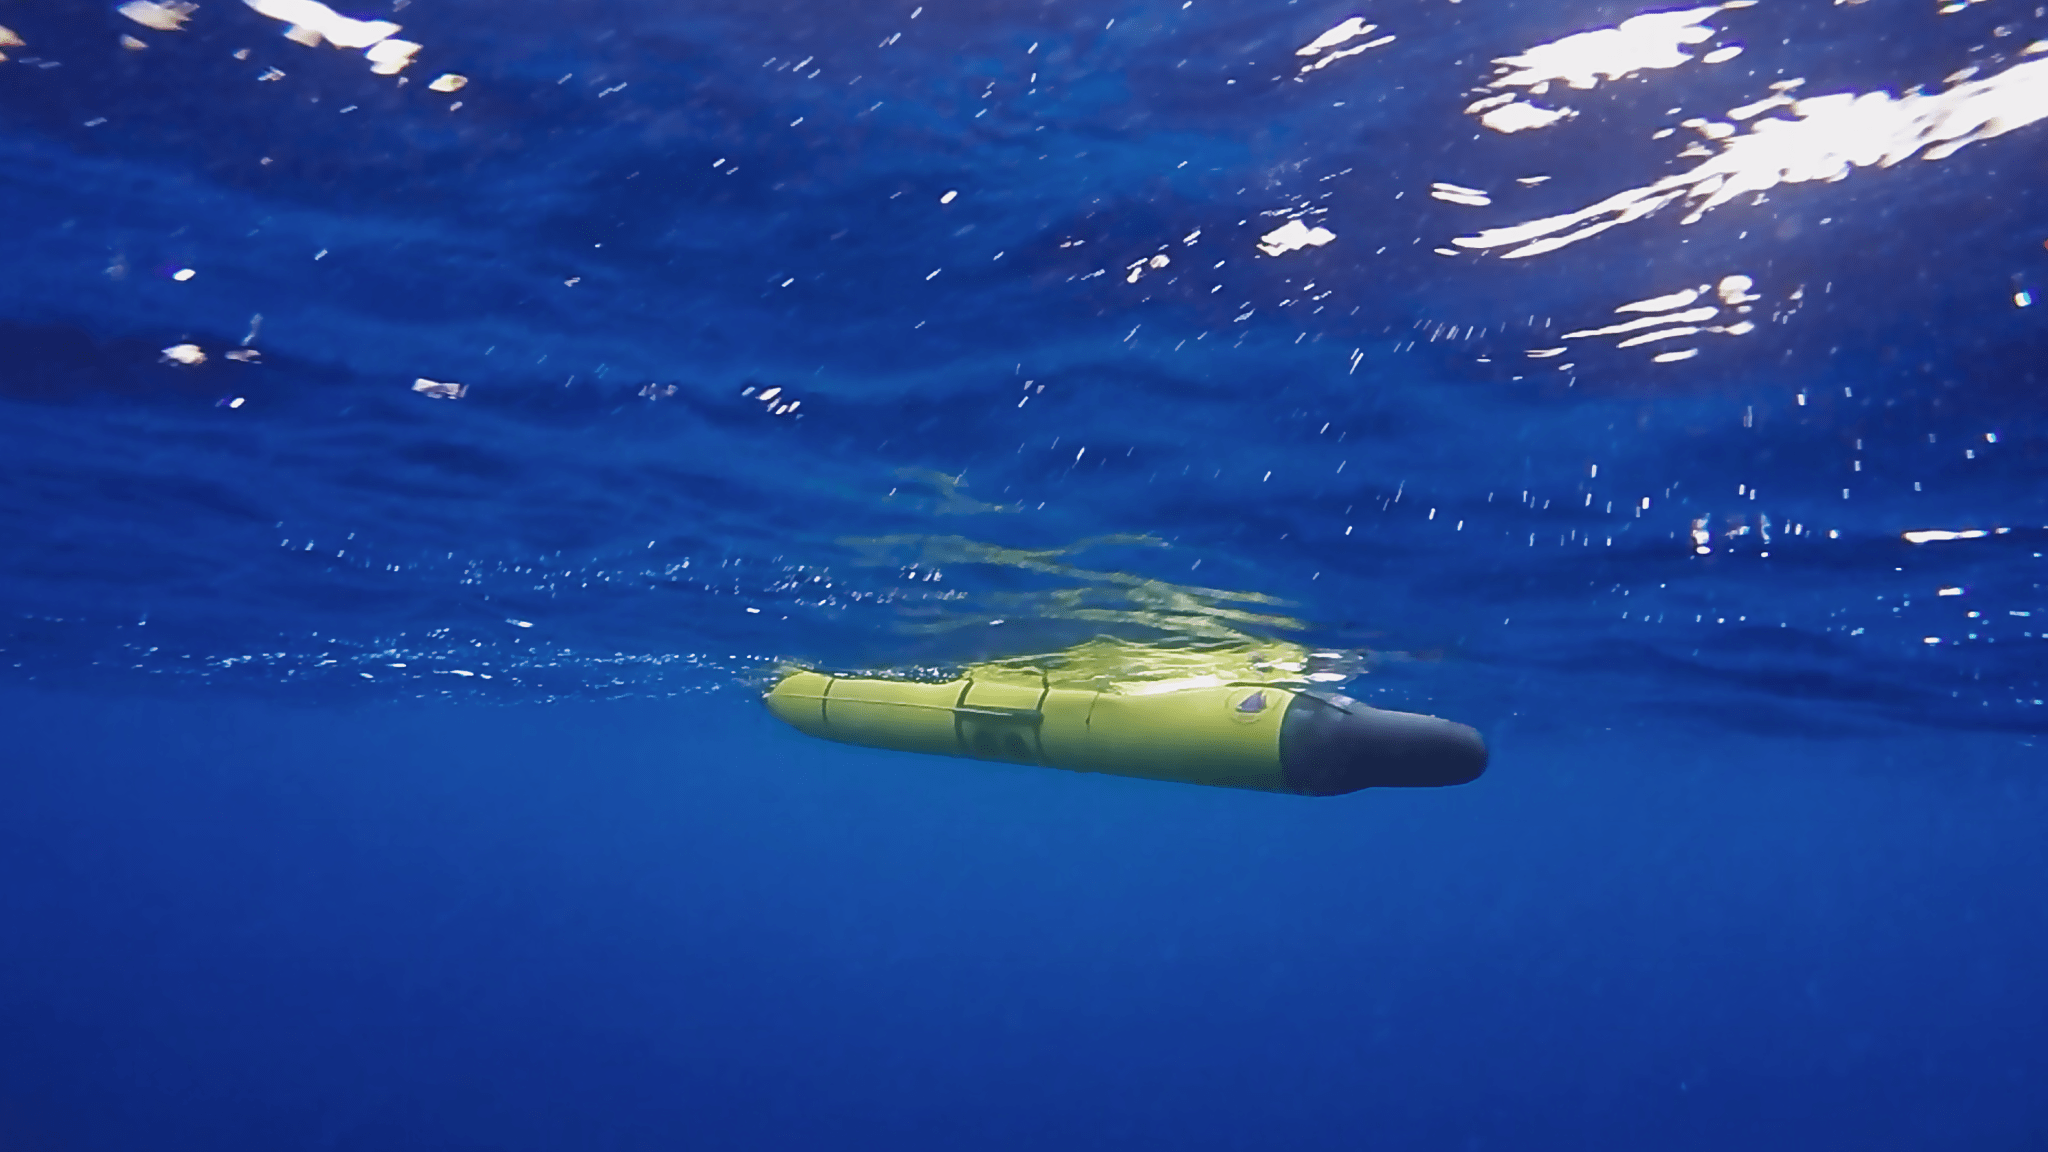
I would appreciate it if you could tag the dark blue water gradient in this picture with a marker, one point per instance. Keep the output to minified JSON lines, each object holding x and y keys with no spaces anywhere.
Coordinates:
{"x":387,"y":772}
{"x":644,"y":925}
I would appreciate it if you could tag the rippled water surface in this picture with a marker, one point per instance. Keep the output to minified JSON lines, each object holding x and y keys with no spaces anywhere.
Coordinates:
{"x":453,"y":386}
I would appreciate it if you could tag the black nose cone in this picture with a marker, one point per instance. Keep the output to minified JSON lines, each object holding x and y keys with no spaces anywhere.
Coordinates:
{"x":1333,"y":744}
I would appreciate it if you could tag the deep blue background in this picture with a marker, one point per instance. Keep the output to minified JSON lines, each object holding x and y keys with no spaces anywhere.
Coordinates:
{"x":651,"y":925}
{"x":379,"y":772}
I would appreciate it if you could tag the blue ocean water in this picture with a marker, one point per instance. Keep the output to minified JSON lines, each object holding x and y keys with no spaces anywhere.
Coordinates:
{"x":429,"y":426}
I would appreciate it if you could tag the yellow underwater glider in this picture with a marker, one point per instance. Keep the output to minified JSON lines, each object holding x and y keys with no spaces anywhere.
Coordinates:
{"x":1229,"y":717}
